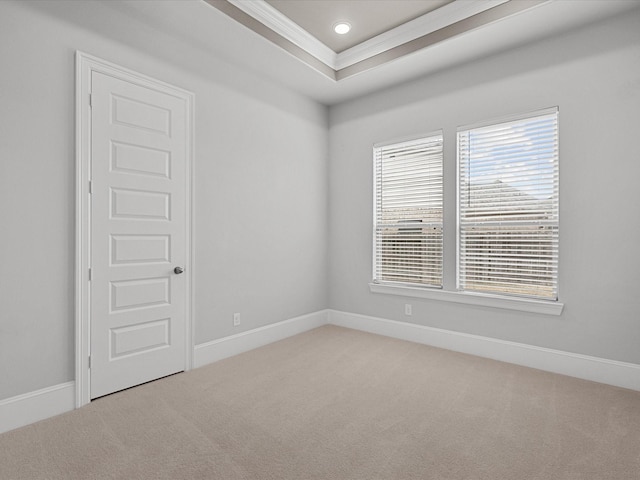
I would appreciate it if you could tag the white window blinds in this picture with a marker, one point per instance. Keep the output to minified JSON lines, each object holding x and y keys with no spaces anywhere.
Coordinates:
{"x":408,"y":212}
{"x":508,"y":207}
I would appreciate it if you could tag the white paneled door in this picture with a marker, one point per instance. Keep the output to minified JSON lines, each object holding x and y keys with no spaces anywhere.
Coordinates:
{"x":138,"y":234}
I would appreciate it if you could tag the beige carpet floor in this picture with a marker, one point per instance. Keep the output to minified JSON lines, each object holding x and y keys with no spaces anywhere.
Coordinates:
{"x":335,"y":403}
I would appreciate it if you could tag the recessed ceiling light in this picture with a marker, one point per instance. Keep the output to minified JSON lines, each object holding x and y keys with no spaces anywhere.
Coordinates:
{"x":341,"y":28}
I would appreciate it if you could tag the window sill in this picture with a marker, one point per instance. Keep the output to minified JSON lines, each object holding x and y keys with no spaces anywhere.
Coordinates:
{"x":496,"y":301}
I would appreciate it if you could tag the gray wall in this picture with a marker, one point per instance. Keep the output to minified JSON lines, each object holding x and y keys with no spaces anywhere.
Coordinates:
{"x":261,"y":183}
{"x":593,"y":75}
{"x":265,"y":159}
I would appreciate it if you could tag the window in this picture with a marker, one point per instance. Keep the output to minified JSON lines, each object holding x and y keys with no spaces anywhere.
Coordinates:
{"x":508,"y":207}
{"x":408,"y":212}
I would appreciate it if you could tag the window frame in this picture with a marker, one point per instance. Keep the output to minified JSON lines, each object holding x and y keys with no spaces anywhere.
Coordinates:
{"x":446,"y":293}
{"x":399,"y":141}
{"x":490,"y":123}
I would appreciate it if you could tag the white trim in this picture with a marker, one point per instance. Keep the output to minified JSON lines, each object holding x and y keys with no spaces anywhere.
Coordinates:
{"x":602,"y":370}
{"x":215,"y":350}
{"x":410,"y":138}
{"x":85,"y":64}
{"x":533,"y":305}
{"x":83,"y":129}
{"x":191,"y":228}
{"x":31,"y":407}
{"x":428,"y":23}
{"x":419,"y":27}
{"x":471,"y":298}
{"x":510,"y":118}
{"x":21,"y":410}
{"x":285,"y":27}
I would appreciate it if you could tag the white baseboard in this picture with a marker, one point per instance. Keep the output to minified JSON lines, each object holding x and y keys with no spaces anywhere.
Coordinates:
{"x":48,"y":402}
{"x":602,"y":370}
{"x":215,"y":350}
{"x":31,"y":407}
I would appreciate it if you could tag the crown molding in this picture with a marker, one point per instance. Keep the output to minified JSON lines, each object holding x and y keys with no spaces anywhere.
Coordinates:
{"x":285,"y":27}
{"x":453,"y":30}
{"x":428,"y":23}
{"x":451,"y":13}
{"x":451,"y":20}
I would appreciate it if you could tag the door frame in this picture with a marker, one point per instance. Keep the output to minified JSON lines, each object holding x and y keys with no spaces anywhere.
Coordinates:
{"x":85,"y":65}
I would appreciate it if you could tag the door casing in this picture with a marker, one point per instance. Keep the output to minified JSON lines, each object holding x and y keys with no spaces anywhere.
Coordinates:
{"x":85,"y":65}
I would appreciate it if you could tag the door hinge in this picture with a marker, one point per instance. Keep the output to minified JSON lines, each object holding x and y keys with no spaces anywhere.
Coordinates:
{"x":89,"y":274}
{"x":90,"y":186}
{"x":90,"y":100}
{"x":89,"y":361}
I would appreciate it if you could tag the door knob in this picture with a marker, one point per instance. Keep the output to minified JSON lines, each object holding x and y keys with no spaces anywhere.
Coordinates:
{"x":178,"y":270}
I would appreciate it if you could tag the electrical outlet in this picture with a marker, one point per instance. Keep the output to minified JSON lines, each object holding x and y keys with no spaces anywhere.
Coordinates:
{"x":236,"y":319}
{"x":407,"y":309}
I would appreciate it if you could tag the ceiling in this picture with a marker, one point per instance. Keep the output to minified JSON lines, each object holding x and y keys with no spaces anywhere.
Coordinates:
{"x":393,"y":41}
{"x":367,"y":18}
{"x":383,"y":30}
{"x":225,"y":39}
